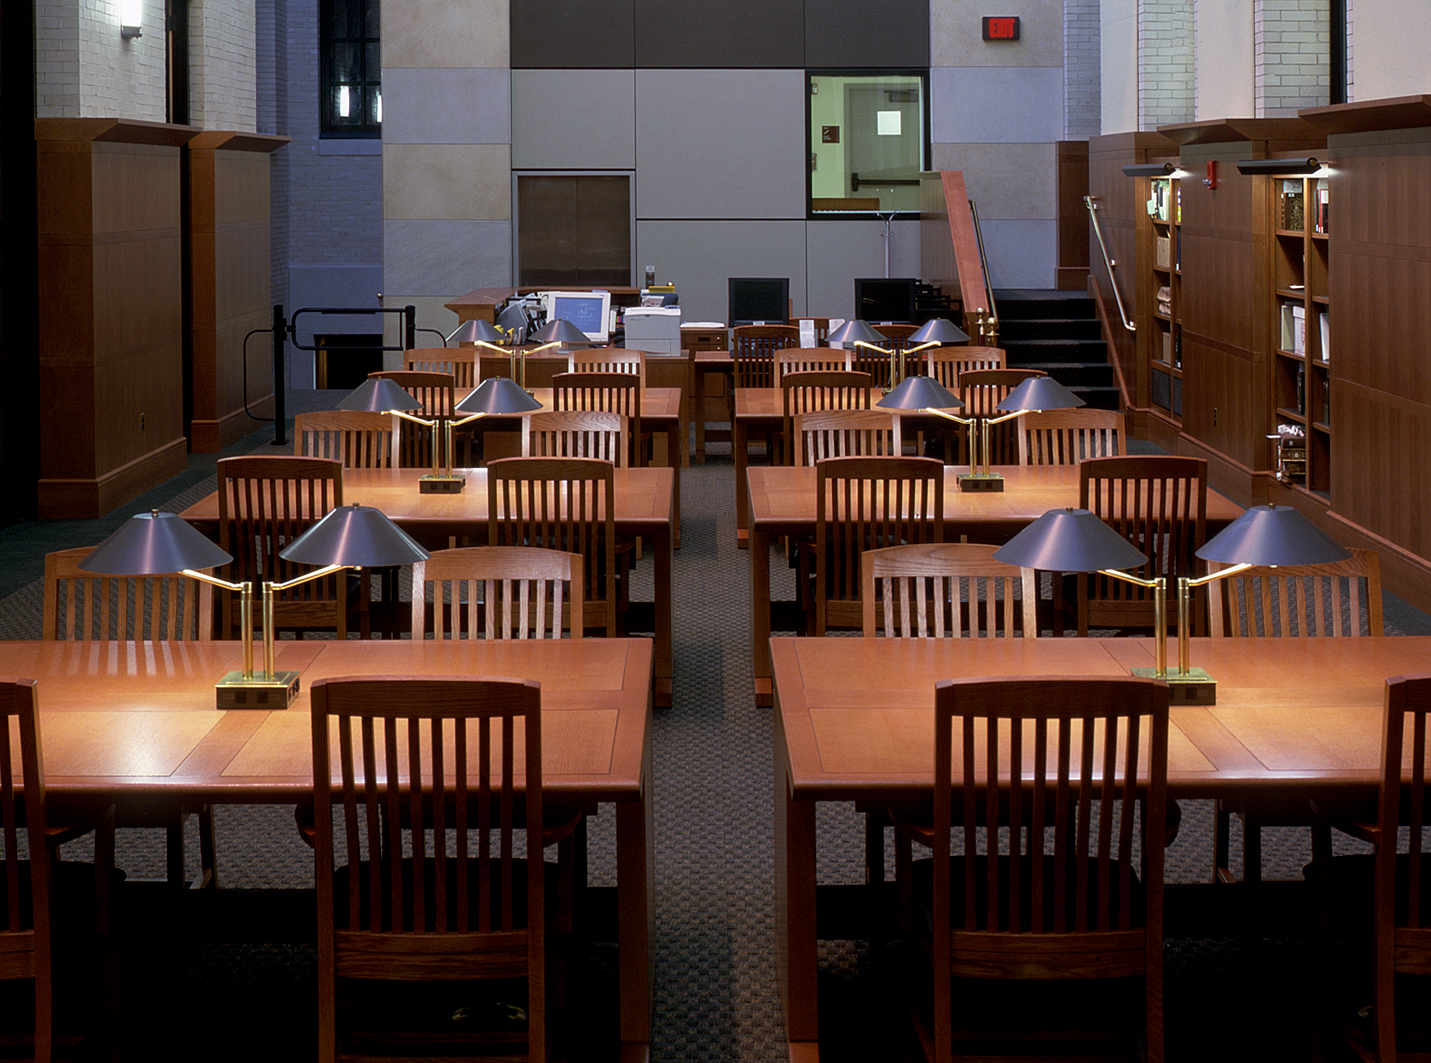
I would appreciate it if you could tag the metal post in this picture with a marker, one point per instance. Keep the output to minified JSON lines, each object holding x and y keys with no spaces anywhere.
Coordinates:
{"x":280,"y":396}
{"x":409,"y":327}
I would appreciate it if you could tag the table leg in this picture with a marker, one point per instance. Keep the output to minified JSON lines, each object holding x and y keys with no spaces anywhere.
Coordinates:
{"x":662,"y":655}
{"x":760,"y":614}
{"x":673,"y":438}
{"x":739,"y":440}
{"x":635,"y":873}
{"x":796,"y":949}
{"x":698,"y":391}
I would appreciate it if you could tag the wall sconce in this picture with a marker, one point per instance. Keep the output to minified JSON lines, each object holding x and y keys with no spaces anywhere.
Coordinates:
{"x":131,"y":15}
{"x":1289,"y":167}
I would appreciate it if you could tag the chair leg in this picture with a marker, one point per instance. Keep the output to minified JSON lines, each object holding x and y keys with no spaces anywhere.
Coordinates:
{"x":208,"y":853}
{"x":174,"y":851}
{"x":1221,"y":841}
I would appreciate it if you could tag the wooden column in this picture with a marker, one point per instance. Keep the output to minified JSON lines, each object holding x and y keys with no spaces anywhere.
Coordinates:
{"x":230,"y":291}
{"x":110,"y":311}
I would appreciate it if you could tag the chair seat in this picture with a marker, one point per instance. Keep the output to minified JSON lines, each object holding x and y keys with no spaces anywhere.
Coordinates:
{"x":342,"y":876}
{"x":1351,"y":886}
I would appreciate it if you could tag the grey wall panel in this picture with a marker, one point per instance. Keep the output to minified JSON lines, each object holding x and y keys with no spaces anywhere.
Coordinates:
{"x":573,"y":119}
{"x":700,"y":256}
{"x":720,"y":144}
{"x":730,"y":33}
{"x":840,"y":251}
{"x":446,"y":106}
{"x":1022,"y":254}
{"x":844,"y":34}
{"x":449,"y":257}
{"x":572,"y":34}
{"x":996,"y":105}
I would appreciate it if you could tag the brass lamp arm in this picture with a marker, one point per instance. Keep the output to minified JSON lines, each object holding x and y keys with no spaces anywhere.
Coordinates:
{"x":1006,"y":417}
{"x":268,"y":588}
{"x":206,"y":578}
{"x":245,"y":593}
{"x":1159,"y":586}
{"x":950,"y":416}
{"x":1186,"y":584}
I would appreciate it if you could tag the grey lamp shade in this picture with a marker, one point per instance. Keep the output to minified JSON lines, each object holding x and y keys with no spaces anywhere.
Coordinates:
{"x":938,"y":330}
{"x":477,"y":332}
{"x":1040,"y":393}
{"x":1272,"y":535}
{"x":558,"y":330}
{"x":498,"y":394}
{"x":1070,"y":540}
{"x":856,"y":331}
{"x":379,"y":395}
{"x":150,"y":543}
{"x":920,"y":393}
{"x":355,"y":535}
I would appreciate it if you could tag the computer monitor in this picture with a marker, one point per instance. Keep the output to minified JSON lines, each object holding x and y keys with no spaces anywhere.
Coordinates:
{"x":588,"y":311}
{"x":759,"y":301}
{"x":885,"y":299}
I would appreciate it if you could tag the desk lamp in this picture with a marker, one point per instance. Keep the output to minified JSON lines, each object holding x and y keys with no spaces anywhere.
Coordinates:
{"x":381,"y":395}
{"x":857,"y":332}
{"x":495,"y":396}
{"x":1078,"y":540}
{"x":936,"y":332}
{"x":554,"y":333}
{"x":476,"y":333}
{"x":1264,"y":535}
{"x":152,"y":543}
{"x":924,"y":394}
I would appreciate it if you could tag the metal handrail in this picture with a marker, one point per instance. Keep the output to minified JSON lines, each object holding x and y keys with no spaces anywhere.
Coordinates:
{"x":990,"y":326}
{"x":1128,"y":323}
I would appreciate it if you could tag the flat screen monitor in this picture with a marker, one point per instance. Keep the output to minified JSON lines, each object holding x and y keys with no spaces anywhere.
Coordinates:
{"x":759,"y":301}
{"x":588,"y":311}
{"x":885,"y":299}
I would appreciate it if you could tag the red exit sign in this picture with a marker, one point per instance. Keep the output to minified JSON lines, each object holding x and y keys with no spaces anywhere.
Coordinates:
{"x":1001,"y":28}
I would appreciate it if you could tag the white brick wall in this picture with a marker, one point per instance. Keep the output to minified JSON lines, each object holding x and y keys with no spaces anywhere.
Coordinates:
{"x":223,"y":77}
{"x":1165,"y":62}
{"x":1351,"y":55}
{"x":1082,"y":90}
{"x":1290,"y":41}
{"x":85,"y":69}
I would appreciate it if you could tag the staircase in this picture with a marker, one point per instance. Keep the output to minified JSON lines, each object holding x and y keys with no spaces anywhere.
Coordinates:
{"x":1057,"y":332}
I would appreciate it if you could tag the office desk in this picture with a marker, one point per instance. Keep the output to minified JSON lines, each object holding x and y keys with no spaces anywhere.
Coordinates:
{"x":644,"y":507}
{"x":135,"y":723}
{"x":855,"y":722}
{"x":705,"y":362}
{"x":782,"y":502}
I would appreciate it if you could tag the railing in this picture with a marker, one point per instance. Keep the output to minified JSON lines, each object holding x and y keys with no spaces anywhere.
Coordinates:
{"x":1110,"y":262}
{"x":989,"y":325}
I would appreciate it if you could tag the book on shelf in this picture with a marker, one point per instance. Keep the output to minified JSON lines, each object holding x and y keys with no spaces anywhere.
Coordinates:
{"x":1324,"y":336}
{"x":1162,"y":252}
{"x":1293,"y":216}
{"x":1322,"y":219}
{"x":1302,"y":390}
{"x":1294,"y":328}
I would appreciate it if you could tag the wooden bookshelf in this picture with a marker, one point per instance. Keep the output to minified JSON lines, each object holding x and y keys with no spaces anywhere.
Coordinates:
{"x":1164,"y":283}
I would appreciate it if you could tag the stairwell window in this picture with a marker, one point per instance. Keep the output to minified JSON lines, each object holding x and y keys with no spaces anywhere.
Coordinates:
{"x":869,"y":141}
{"x":350,"y":65}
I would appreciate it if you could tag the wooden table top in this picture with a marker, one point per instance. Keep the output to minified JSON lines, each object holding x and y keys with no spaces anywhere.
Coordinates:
{"x":857,"y":714}
{"x":127,"y":718}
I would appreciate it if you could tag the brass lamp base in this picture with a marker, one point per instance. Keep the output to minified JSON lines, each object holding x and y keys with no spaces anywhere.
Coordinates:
{"x":1194,"y":687}
{"x":237,"y":691}
{"x":432,"y":484}
{"x":975,"y":481}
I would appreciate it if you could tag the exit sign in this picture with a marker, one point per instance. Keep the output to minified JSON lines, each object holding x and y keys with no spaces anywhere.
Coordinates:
{"x":1001,"y":28}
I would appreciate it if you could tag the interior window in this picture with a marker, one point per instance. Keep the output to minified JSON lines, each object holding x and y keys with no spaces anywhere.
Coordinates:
{"x":869,"y":140}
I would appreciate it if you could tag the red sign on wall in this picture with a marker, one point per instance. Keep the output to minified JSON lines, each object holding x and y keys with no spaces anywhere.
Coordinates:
{"x":1001,"y":28}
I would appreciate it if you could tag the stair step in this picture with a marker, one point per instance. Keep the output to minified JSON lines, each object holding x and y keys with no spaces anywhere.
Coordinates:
{"x":1049,"y":327}
{"x":1075,"y":374}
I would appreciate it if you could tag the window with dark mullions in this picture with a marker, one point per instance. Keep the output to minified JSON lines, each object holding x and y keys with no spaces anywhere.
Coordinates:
{"x":351,"y":65}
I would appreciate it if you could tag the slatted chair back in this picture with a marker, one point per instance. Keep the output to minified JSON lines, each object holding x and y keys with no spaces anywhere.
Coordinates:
{"x":25,"y":933}
{"x":1339,"y":598}
{"x":807,"y":392}
{"x":1060,"y":788}
{"x":845,"y":434}
{"x":609,"y":360}
{"x":437,"y":393}
{"x":607,"y":392}
{"x":539,"y":369}
{"x":576,"y":434}
{"x":461,"y":362}
{"x":1159,"y":504}
{"x":85,"y":606}
{"x":865,"y":504}
{"x":945,"y":364}
{"x":264,"y":504}
{"x":445,"y":772}
{"x":946,"y":590}
{"x":894,"y":338}
{"x":1066,"y":437}
{"x":358,"y":438}
{"x":810,"y":360}
{"x":496,"y":592}
{"x":982,"y":390}
{"x":752,"y":351}
{"x":565,"y":504}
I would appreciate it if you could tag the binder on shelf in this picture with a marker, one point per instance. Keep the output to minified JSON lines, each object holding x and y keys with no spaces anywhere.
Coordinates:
{"x":1162,"y":252}
{"x":1322,"y":220}
{"x":1299,"y":329}
{"x":1324,"y":336}
{"x":1292,"y":205}
{"x":1168,"y":348}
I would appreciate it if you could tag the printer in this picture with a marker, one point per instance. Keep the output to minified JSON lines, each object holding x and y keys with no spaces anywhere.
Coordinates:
{"x":654,"y":329}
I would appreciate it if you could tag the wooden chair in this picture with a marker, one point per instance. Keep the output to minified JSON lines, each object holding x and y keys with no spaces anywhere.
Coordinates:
{"x":845,"y":434}
{"x":810,"y":360}
{"x":1159,"y":504}
{"x":540,"y":369}
{"x":864,"y":504}
{"x":1059,"y":786}
{"x":954,"y":590}
{"x":609,"y":360}
{"x":606,"y":392}
{"x":576,"y":434}
{"x":982,"y":390}
{"x":864,"y":360}
{"x":1339,"y":599}
{"x":496,"y":592}
{"x":565,"y":504}
{"x":1384,"y":897}
{"x":752,"y":350}
{"x":807,"y":392}
{"x":461,"y":362}
{"x":437,"y":393}
{"x":945,"y":364}
{"x":357,"y":438}
{"x":264,"y":504}
{"x":821,"y":325}
{"x":431,"y":781}
{"x":1066,"y":437}
{"x":85,"y":606}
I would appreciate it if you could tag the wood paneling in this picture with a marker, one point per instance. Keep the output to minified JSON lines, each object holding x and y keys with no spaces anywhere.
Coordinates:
{"x":1072,"y":217}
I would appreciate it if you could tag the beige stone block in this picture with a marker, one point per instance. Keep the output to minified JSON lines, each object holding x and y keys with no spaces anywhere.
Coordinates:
{"x":435,"y":33}
{"x":956,"y":35}
{"x":430,"y":314}
{"x":1005,"y":181}
{"x":448,"y":182}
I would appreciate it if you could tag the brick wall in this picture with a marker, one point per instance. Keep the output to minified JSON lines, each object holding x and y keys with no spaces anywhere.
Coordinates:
{"x":85,"y":69}
{"x":1082,"y":91}
{"x":1290,"y":41}
{"x":1165,"y":62}
{"x":222,"y":51}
